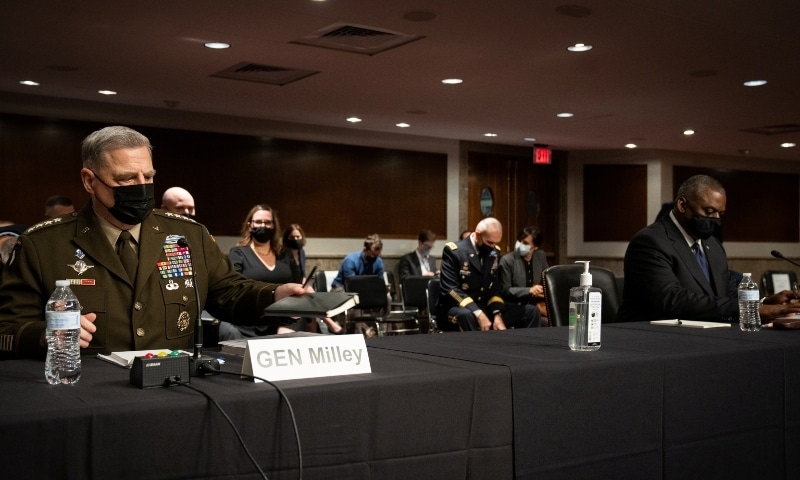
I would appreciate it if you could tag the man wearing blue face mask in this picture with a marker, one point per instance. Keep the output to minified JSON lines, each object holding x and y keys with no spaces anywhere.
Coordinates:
{"x":134,"y":269}
{"x":521,"y":271}
{"x":677,"y":267}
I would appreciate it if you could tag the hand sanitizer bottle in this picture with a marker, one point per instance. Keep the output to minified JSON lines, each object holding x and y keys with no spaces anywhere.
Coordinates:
{"x":585,"y":306}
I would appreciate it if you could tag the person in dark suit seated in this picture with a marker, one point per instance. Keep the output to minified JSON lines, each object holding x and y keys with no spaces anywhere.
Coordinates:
{"x":420,"y":262}
{"x":471,"y":294}
{"x":677,"y":267}
{"x":521,"y":271}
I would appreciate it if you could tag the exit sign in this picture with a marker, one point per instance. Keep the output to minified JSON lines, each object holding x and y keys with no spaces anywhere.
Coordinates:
{"x":541,"y":155}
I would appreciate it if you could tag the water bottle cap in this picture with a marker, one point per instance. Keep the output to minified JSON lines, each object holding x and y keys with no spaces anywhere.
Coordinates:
{"x":62,"y":283}
{"x":746,"y":274}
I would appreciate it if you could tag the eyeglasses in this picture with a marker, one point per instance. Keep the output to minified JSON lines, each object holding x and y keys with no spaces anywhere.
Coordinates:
{"x":261,"y":223}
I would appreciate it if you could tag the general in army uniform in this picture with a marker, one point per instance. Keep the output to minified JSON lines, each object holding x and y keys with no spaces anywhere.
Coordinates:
{"x":131,"y":267}
{"x":471,"y":294}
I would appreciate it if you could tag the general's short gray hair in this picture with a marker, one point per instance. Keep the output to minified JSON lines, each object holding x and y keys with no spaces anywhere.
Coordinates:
{"x":98,"y":143}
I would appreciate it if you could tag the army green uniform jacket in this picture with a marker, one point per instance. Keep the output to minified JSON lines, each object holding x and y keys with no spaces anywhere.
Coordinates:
{"x":158,"y":310}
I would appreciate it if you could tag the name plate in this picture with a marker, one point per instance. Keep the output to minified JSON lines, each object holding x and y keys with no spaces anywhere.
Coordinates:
{"x":312,"y":356}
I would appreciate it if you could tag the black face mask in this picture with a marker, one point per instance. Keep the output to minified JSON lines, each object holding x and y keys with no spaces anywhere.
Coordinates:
{"x":293,"y":243}
{"x":484,"y":250}
{"x":262,"y":234}
{"x":132,"y":203}
{"x":704,"y":227}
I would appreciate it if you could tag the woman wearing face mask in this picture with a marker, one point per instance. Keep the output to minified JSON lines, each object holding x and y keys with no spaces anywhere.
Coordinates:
{"x":294,"y":239}
{"x":521,"y":271}
{"x":260,"y":255}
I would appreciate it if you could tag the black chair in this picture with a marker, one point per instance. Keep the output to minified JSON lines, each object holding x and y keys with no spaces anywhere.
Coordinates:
{"x":779,"y":277}
{"x":373,"y":304}
{"x":397,"y":303}
{"x":559,"y":279}
{"x":320,"y":283}
{"x":414,"y":292}
{"x":432,"y":293}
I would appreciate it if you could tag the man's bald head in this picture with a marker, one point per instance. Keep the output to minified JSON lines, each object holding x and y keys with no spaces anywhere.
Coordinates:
{"x":178,"y":200}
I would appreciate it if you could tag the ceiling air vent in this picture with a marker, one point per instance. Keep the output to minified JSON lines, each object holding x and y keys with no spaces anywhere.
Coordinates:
{"x":356,"y":38}
{"x":775,"y":129}
{"x":253,"y":72}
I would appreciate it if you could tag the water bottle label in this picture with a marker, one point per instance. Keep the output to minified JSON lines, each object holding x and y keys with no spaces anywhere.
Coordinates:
{"x":748,"y":295}
{"x":63,"y":320}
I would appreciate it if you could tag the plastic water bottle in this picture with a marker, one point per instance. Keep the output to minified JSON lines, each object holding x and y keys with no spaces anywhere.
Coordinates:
{"x":749,"y":318}
{"x":63,"y":315}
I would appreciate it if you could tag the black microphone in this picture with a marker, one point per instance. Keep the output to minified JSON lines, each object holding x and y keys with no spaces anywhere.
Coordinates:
{"x":199,"y":364}
{"x":778,"y":254}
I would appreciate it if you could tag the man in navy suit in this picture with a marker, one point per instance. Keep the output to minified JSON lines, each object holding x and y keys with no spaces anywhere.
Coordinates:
{"x":471,"y":295}
{"x":677,"y":267}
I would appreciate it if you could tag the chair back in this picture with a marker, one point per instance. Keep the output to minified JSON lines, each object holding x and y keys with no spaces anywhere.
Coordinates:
{"x":371,"y":290}
{"x":320,"y":284}
{"x":773,"y":280}
{"x":432,"y":296}
{"x":414,"y":290}
{"x":559,"y":279}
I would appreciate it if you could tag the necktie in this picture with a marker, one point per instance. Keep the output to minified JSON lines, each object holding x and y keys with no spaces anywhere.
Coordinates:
{"x":126,"y":254}
{"x":702,"y":260}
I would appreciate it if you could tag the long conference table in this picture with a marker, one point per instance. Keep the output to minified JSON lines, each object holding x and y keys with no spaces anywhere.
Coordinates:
{"x":655,"y":402}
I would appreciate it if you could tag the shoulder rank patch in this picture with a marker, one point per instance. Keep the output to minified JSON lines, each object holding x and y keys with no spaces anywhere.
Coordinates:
{"x":174,"y":215}
{"x":46,"y":223}
{"x":451,"y":245}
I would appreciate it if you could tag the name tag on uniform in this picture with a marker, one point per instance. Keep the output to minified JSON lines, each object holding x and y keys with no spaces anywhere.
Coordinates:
{"x":310,"y":356}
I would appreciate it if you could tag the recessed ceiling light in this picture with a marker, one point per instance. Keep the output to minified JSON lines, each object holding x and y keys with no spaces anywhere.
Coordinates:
{"x":403,"y":125}
{"x":579,"y":47}
{"x":755,"y":83}
{"x":688,"y":132}
{"x":217,"y":45}
{"x":489,"y":134}
{"x":353,"y":119}
{"x":529,"y":139}
{"x":452,"y":81}
{"x":788,"y":144}
{"x":30,"y":83}
{"x":564,"y":115}
{"x":106,"y":92}
{"x":630,"y":145}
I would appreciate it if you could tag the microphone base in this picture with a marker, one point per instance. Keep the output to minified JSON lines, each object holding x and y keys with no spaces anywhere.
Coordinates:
{"x":203,"y":365}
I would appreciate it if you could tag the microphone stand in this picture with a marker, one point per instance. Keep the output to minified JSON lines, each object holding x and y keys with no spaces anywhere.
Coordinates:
{"x":778,"y":254}
{"x":199,"y":364}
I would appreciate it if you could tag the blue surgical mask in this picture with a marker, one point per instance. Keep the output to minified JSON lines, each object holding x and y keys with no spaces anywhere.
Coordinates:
{"x":522,"y":249}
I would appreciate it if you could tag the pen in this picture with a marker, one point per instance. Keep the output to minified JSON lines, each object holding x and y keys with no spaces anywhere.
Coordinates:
{"x":310,"y":276}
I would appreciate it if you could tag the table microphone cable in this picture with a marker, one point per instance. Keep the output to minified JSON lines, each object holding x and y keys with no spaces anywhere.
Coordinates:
{"x":236,"y":430}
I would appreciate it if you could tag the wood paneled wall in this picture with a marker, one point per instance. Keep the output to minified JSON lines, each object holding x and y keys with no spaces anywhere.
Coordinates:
{"x":332,"y":190}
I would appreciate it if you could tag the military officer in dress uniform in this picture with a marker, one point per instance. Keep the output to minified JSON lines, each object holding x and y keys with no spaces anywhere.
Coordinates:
{"x":133,"y":269}
{"x":471,"y":294}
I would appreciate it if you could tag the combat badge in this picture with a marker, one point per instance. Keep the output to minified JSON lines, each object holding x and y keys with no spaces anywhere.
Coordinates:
{"x":80,"y":267}
{"x":183,"y":321}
